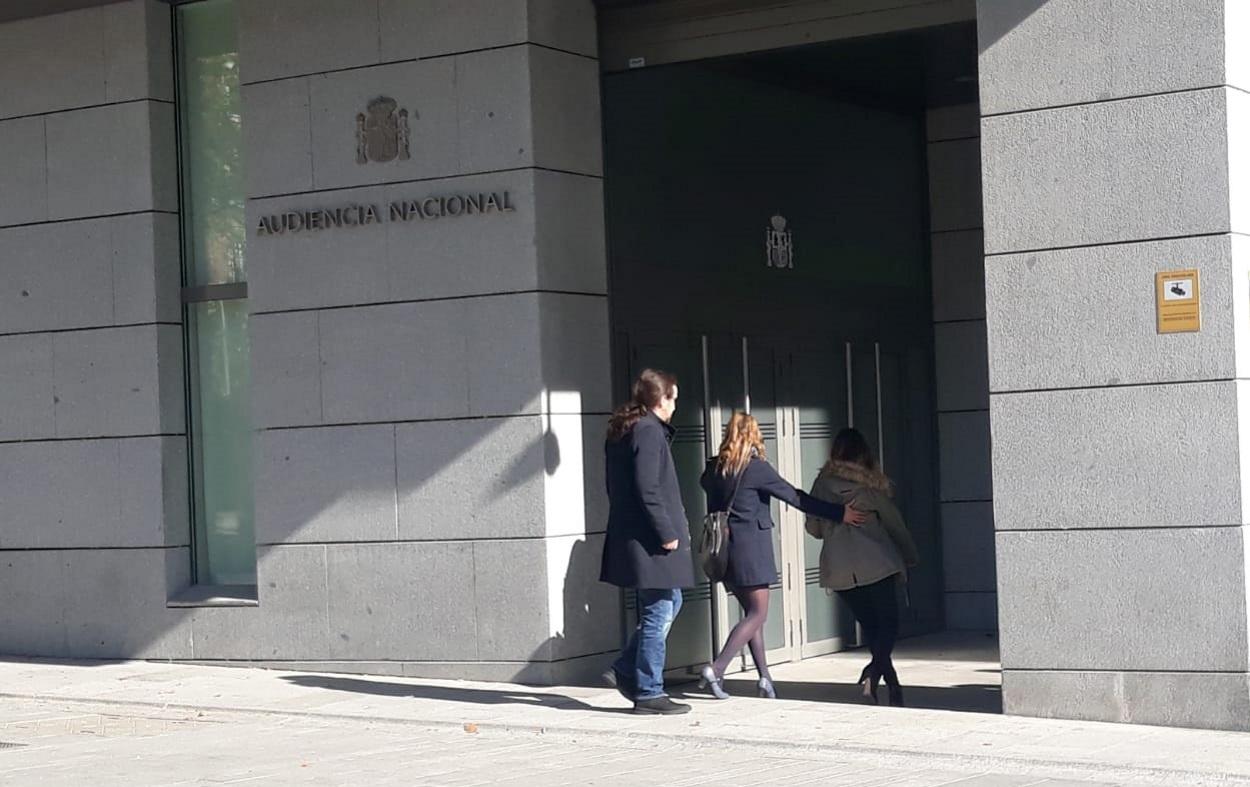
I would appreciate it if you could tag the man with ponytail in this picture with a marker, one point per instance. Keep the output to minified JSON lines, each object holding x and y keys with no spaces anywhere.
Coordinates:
{"x":647,"y":548}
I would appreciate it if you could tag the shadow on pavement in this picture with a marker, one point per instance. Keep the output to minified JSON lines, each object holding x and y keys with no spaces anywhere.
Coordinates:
{"x":967,"y":698}
{"x":447,"y":693}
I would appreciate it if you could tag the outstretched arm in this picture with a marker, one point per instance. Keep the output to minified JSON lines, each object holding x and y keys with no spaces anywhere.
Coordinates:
{"x":783,"y":490}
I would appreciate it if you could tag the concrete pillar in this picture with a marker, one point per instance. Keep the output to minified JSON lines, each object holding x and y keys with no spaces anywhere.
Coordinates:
{"x":428,"y":393}
{"x":93,"y":488}
{"x":963,"y":403}
{"x":1113,"y":148}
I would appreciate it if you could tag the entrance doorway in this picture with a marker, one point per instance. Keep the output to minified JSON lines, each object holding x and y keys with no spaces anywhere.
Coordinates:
{"x":768,"y":226}
{"x":802,"y":389}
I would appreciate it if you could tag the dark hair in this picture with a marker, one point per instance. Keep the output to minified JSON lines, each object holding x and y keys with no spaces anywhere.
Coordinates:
{"x":645,"y":395}
{"x":850,"y":446}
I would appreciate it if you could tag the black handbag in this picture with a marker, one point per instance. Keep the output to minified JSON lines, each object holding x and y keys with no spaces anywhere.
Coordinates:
{"x":714,"y":543}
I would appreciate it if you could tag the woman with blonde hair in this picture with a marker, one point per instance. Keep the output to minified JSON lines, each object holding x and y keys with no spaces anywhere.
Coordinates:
{"x":864,"y":564}
{"x":740,"y":480}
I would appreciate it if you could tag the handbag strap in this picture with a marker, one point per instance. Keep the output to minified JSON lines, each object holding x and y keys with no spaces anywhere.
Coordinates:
{"x":729,"y":504}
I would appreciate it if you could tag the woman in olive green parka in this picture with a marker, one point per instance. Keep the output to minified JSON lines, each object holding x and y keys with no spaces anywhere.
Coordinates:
{"x":866,"y":563}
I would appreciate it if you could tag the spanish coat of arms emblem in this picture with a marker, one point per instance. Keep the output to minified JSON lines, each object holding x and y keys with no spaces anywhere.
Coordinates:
{"x":382,"y":132}
{"x":779,"y":243}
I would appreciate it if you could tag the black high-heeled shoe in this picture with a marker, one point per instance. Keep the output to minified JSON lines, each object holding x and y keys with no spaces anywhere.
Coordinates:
{"x":896,"y":696}
{"x":869,"y":686}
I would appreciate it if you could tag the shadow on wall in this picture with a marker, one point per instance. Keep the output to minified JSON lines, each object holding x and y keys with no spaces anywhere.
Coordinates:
{"x":997,"y":18}
{"x":481,"y":522}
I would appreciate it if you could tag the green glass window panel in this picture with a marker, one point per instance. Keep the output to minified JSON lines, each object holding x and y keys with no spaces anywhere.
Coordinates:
{"x":214,"y":243}
{"x":211,"y":134}
{"x":220,"y":376}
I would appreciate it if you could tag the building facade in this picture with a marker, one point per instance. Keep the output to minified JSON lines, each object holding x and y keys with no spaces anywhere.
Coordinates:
{"x":312,"y":314}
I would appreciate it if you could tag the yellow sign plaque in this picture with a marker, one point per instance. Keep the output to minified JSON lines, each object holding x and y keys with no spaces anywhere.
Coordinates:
{"x":1177,"y":299}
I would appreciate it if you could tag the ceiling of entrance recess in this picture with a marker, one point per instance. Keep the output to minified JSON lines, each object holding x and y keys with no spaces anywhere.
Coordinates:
{"x":20,"y":9}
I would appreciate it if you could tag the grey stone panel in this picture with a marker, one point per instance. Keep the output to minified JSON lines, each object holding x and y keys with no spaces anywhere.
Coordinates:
{"x":496,"y":672}
{"x":171,"y":384}
{"x":176,"y":493}
{"x":59,"y":275}
{"x":1079,"y":173}
{"x":332,"y":267}
{"x":151,"y":489}
{"x":116,"y":606}
{"x":1236,"y":58}
{"x":88,"y":494}
{"x":523,"y":345}
{"x":32,"y":617}
{"x":576,"y":353}
{"x":1123,"y":599}
{"x":24,"y":176}
{"x":496,"y":100}
{"x":594,"y":495}
{"x":33,"y":81}
{"x":428,"y":28}
{"x":564,"y":24}
{"x":964,"y":456}
{"x":1041,"y":54}
{"x":590,"y":616}
{"x":511,"y":600}
{"x":574,"y":488}
{"x":277,"y":137}
{"x":427,"y":89}
{"x":958,"y":270}
{"x":1142,"y":456}
{"x":1086,"y":317}
{"x":291,"y":621}
{"x":581,"y":671}
{"x":178,"y":569}
{"x":955,"y":185}
{"x":164,"y":160}
{"x":567,"y":127}
{"x":572,"y":250}
{"x":466,"y":255}
{"x":286,"y":370}
{"x":138,"y":47}
{"x":111,"y":159}
{"x":418,"y":259}
{"x":400,"y":362}
{"x":335,"y":484}
{"x":118,"y":381}
{"x":968,"y":611}
{"x":1239,"y":155}
{"x":285,"y":38}
{"x":147,"y":277}
{"x":968,"y":547}
{"x":469,"y":479}
{"x":1206,"y":700}
{"x":120,"y":52}
{"x":402,"y":601}
{"x":584,"y":671}
{"x":26,"y":398}
{"x":963,"y":381}
{"x":959,"y":121}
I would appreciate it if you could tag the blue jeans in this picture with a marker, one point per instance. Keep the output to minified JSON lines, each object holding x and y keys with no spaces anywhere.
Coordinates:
{"x":642,"y":660}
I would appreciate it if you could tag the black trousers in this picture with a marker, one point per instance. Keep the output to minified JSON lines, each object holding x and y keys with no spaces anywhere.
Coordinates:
{"x":876,"y":608}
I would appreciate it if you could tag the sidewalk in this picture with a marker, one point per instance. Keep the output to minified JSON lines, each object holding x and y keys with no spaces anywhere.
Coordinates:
{"x":890,"y":737}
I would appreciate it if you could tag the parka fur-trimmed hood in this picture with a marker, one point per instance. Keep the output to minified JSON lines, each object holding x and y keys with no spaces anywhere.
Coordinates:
{"x":858,"y":474}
